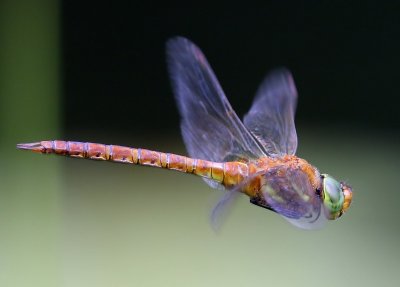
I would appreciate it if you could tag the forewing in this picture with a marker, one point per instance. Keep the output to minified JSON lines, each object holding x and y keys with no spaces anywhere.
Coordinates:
{"x":210,"y":128}
{"x":291,"y":195}
{"x":271,"y":117}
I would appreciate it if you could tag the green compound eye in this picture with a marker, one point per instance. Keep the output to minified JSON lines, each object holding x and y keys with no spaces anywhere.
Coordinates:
{"x":333,"y":196}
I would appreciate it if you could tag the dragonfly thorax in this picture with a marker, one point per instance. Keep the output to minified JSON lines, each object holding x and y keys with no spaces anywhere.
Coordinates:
{"x":280,"y":165}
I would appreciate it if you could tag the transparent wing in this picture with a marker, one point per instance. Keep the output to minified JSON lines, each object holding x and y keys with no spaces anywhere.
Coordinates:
{"x":291,"y":195}
{"x":210,"y":128}
{"x":226,"y":202}
{"x":271,"y":117}
{"x":221,"y":209}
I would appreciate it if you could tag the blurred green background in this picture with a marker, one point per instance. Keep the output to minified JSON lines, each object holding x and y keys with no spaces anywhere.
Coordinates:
{"x":97,"y":73}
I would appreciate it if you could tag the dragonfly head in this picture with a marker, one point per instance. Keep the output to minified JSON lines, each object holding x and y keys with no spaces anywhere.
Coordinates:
{"x":336,"y":196}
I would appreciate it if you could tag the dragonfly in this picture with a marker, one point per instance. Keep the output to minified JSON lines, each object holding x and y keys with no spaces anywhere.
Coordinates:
{"x":255,"y":157}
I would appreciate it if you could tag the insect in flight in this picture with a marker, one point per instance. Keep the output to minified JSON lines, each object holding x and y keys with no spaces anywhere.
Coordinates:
{"x":255,"y":156}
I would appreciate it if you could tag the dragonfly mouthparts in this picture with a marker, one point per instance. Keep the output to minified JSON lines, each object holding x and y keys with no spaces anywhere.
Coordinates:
{"x":35,"y":147}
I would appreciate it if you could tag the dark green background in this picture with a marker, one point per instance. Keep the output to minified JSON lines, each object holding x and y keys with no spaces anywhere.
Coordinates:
{"x":344,"y":57}
{"x":96,"y":72}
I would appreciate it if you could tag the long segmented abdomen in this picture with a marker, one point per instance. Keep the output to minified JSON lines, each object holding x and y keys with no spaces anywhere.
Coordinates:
{"x":227,"y":173}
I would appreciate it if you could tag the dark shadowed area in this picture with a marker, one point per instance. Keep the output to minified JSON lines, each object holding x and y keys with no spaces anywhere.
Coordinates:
{"x":97,"y":72}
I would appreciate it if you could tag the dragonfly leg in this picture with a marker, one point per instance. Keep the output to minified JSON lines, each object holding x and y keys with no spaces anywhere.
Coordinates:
{"x":261,"y":203}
